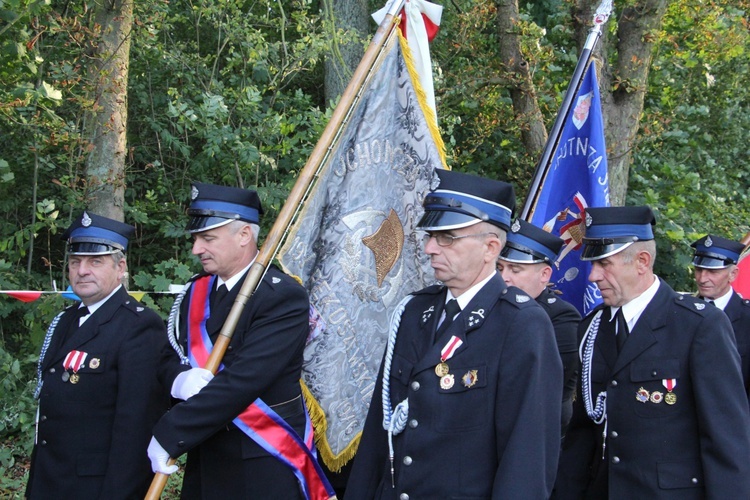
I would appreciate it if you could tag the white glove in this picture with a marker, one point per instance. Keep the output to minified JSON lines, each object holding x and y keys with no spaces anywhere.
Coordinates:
{"x":189,"y":383}
{"x":159,"y":458}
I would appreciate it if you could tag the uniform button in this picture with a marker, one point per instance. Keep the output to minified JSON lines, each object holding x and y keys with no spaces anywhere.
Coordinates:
{"x":415,"y":386}
{"x":615,"y":460}
{"x":230,"y":348}
{"x":43,"y":418}
{"x":694,"y":480}
{"x":407,"y":460}
{"x":52,"y":370}
{"x":613,"y":434}
{"x":181,"y":444}
{"x":403,"y":496}
{"x":44,"y":442}
{"x":413,"y":423}
{"x":613,"y":383}
{"x":653,"y":373}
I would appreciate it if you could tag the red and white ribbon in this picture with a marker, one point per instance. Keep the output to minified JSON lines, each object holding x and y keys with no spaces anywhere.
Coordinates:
{"x":450,"y":348}
{"x":74,"y":360}
{"x":421,"y":26}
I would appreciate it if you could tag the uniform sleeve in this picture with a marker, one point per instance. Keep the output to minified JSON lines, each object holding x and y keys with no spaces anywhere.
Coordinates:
{"x":274,"y":335}
{"x":722,"y":408}
{"x":527,"y":408}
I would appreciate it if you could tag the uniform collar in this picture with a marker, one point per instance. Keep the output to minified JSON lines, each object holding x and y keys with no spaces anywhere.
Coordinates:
{"x":465,"y":298}
{"x":632,"y":310}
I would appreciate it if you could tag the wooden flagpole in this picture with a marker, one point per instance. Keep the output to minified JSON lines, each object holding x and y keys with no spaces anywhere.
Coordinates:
{"x":296,"y":199}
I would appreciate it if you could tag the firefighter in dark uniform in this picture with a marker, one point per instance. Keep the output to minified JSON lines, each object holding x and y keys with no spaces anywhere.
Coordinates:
{"x":218,"y":422}
{"x":715,"y":268}
{"x":661,"y":410}
{"x":525,"y":262}
{"x":467,"y":403}
{"x":98,"y":389}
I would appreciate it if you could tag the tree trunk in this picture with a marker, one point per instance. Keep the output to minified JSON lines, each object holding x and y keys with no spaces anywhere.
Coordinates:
{"x":344,"y":58}
{"x":623,"y":80}
{"x":522,"y":91}
{"x":107,"y":121}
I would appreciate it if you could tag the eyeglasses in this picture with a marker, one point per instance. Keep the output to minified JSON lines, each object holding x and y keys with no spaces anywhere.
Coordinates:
{"x":446,"y":240}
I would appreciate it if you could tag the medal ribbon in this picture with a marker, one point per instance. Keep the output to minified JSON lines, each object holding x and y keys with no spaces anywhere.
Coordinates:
{"x":74,"y":360}
{"x":450,"y":348}
{"x":259,"y":421}
{"x":669,"y":383}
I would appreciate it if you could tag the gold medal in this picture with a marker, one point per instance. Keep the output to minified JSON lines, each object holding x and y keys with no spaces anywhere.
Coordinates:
{"x":441,"y":369}
{"x":65,"y":376}
{"x":670,"y":398}
{"x":74,"y":378}
{"x":447,"y":382}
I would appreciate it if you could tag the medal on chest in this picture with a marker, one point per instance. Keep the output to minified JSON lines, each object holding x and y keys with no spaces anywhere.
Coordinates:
{"x":442,"y":370}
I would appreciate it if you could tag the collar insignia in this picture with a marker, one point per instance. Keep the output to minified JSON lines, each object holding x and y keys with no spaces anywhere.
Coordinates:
{"x":476,"y":317}
{"x":426,"y":315}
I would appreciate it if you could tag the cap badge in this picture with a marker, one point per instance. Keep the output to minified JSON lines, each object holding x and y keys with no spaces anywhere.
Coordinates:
{"x":589,"y":220}
{"x":86,"y":220}
{"x":516,"y":226}
{"x":194,"y":193}
{"x":709,"y":242}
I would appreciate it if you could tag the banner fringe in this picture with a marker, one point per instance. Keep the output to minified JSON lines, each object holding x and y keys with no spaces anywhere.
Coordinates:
{"x":428,"y":112}
{"x":318,"y":418}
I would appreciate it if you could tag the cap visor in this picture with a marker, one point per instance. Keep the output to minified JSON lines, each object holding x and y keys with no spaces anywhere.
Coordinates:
{"x":709,"y":262}
{"x":596,"y":252}
{"x":517,"y":256}
{"x":91,"y":248}
{"x":444,"y":220}
{"x":199,"y":224}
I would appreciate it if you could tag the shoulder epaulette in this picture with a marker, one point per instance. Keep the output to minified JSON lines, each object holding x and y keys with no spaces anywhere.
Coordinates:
{"x":698,"y":306}
{"x":517,"y":297}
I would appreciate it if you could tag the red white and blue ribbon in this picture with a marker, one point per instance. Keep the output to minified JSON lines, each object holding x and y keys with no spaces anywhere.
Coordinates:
{"x":259,"y":422}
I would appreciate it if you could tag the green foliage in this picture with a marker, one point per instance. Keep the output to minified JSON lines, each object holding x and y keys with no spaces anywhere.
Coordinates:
{"x":692,"y":161}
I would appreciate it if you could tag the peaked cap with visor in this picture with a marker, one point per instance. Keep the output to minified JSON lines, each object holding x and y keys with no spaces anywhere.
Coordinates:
{"x":92,"y":234}
{"x":610,"y":230}
{"x":214,"y":206}
{"x":715,"y":252}
{"x":462,"y":200}
{"x":528,"y":244}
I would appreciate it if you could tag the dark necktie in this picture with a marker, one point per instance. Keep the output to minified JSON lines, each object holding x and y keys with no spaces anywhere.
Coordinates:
{"x":622,"y":329}
{"x":451,"y":309}
{"x":218,"y":295}
{"x":76,"y":320}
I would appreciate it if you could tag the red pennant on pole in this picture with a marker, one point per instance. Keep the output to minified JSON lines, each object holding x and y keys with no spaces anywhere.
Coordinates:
{"x":25,"y":295}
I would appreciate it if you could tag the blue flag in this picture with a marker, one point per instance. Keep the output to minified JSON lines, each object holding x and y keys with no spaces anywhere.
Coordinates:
{"x":577,"y":179}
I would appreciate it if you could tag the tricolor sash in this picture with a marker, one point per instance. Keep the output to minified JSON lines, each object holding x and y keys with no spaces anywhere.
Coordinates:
{"x":259,"y":422}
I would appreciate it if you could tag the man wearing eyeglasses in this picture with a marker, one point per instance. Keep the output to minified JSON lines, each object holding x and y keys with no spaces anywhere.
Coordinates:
{"x":471,"y":407}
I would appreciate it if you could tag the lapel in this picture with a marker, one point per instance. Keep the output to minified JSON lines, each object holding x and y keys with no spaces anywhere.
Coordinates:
{"x":215,"y":323}
{"x":733,"y":310}
{"x":90,"y":327}
{"x":471,"y":318}
{"x":646,"y":330}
